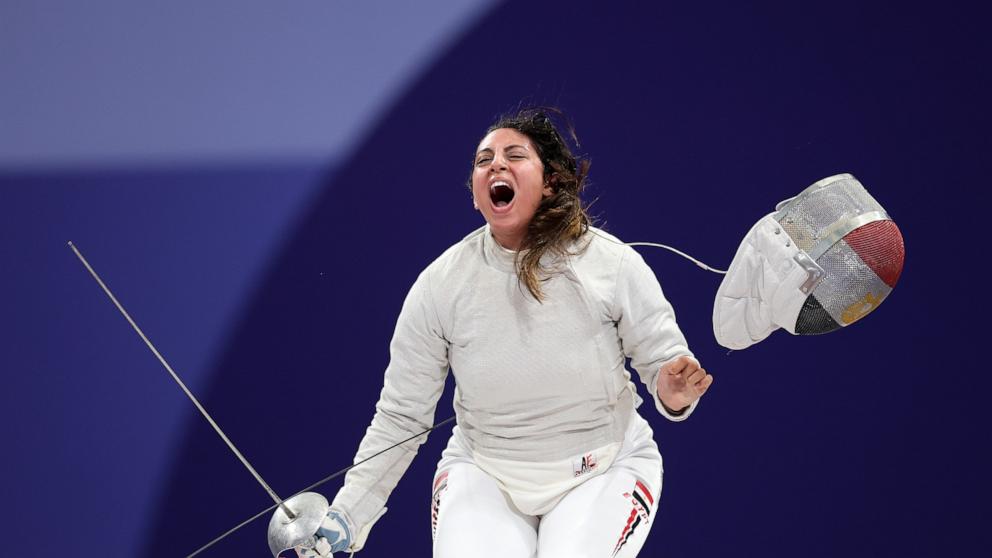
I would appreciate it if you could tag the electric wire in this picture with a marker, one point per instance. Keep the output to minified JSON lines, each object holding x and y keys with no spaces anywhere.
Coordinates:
{"x":666,"y":247}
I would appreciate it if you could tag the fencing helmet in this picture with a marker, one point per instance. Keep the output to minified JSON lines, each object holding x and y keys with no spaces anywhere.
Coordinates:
{"x":823,"y":260}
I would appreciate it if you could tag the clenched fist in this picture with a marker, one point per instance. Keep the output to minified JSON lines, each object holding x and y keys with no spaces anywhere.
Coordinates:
{"x":681,"y":382}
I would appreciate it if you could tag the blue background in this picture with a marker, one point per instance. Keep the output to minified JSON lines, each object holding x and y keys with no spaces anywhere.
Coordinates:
{"x":260,"y":184}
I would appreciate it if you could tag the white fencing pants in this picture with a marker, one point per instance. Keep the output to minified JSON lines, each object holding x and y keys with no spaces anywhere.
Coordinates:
{"x":608,"y":516}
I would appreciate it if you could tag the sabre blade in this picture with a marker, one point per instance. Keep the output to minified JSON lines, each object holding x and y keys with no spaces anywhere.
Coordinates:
{"x":275,"y":497}
{"x":326,"y":479}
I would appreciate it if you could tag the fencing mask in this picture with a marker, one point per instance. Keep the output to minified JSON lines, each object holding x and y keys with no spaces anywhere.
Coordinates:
{"x":823,"y":260}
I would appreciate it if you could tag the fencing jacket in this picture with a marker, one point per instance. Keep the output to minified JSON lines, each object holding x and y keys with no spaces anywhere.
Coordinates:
{"x":535,"y":382}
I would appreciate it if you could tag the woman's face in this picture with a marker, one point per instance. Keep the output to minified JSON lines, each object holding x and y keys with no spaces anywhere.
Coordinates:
{"x":508,"y":184}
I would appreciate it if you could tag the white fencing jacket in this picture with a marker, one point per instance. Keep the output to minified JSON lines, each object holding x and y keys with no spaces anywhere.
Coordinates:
{"x":534,"y":381}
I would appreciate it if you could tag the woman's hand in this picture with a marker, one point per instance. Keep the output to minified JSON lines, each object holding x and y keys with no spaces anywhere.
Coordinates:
{"x":681,"y":382}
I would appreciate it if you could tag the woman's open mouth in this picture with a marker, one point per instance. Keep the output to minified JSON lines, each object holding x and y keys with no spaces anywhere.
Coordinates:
{"x":500,"y":193}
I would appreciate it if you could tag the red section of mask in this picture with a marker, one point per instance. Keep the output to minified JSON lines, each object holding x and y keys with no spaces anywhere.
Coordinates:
{"x":880,"y":246}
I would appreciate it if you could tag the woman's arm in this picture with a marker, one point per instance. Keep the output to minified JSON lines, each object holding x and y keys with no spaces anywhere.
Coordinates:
{"x":411,"y":388}
{"x":651,"y":338}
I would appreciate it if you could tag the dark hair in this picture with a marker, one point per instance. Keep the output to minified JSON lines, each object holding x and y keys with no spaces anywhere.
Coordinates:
{"x":562,"y":217}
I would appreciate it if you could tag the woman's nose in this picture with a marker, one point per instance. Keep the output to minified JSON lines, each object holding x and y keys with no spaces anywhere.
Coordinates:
{"x":498,"y":164}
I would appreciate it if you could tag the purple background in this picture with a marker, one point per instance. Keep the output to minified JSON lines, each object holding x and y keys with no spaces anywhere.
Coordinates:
{"x":261,"y":189}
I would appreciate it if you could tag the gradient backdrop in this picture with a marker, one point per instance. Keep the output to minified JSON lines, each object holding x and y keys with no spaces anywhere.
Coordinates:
{"x":261,"y":182}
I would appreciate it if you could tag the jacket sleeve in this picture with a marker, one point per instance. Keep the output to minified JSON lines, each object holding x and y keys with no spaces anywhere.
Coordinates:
{"x":649,"y":335}
{"x":413,"y":383}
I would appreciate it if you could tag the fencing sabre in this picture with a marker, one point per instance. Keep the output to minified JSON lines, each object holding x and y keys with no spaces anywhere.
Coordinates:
{"x":304,"y":510}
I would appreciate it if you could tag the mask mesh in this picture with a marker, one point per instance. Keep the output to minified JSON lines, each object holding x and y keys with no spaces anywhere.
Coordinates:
{"x":860,"y":269}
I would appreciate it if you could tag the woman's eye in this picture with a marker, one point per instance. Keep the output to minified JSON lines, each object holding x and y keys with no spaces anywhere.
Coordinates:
{"x":482,"y":161}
